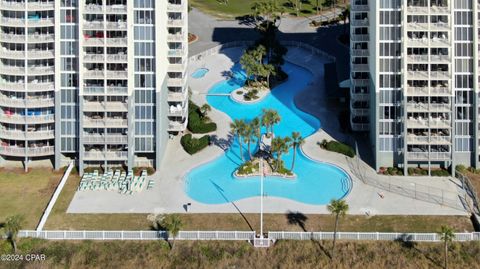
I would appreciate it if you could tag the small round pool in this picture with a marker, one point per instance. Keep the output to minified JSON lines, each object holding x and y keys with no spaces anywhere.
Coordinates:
{"x":199,"y":73}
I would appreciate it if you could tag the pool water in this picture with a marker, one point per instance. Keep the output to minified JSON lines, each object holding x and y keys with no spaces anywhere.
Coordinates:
{"x":199,"y":73}
{"x":316,"y":183}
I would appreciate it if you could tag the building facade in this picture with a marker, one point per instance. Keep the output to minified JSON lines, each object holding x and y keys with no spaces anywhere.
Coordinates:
{"x":414,"y":81}
{"x":101,"y":82}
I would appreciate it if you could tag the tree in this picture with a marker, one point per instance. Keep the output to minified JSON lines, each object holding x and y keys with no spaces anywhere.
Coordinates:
{"x":280,"y":146}
{"x":236,"y":128}
{"x":173,"y":224}
{"x":337,"y":208}
{"x":257,"y":132}
{"x":12,"y":226}
{"x":447,"y":235}
{"x":275,"y":118}
{"x":297,"y":141}
{"x":204,"y":109}
{"x":344,"y":15}
{"x":267,"y":71}
{"x":267,"y":119}
{"x":247,"y":133}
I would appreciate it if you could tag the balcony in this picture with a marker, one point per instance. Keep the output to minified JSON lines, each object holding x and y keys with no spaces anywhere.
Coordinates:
{"x":440,"y":58}
{"x":117,"y":90}
{"x":177,"y":67}
{"x":116,"y":106}
{"x":40,"y":5}
{"x":442,"y":75}
{"x":175,"y":126}
{"x":417,"y":139}
{"x":116,"y":9}
{"x":425,"y":155}
{"x":41,"y":22}
{"x":40,"y":54}
{"x":93,"y":25}
{"x":102,"y":139}
{"x":107,"y":122}
{"x":176,"y":52}
{"x":116,"y":25}
{"x":41,"y":70}
{"x":12,"y":54}
{"x":13,"y":38}
{"x":22,"y":152}
{"x":117,"y":74}
{"x":175,"y":7}
{"x":178,"y":111}
{"x":39,"y":135}
{"x":421,"y":10}
{"x":360,"y":6}
{"x":93,"y":74}
{"x":93,"y":41}
{"x":113,"y":58}
{"x":176,"y":82}
{"x":13,"y":22}
{"x":93,"y":58}
{"x":12,"y":134}
{"x":176,"y":38}
{"x":439,"y":26}
{"x":10,"y":5}
{"x":119,"y":41}
{"x":417,"y":107}
{"x":12,"y":70}
{"x":177,"y":96}
{"x":93,"y":8}
{"x":176,"y":22}
{"x":425,"y":91}
{"x":417,"y":58}
{"x":360,"y":67}
{"x":417,"y":74}
{"x":360,"y":127}
{"x":40,"y":38}
{"x":360,"y":37}
{"x":360,"y":52}
{"x":35,"y":86}
{"x":102,"y":155}
{"x":359,"y":22}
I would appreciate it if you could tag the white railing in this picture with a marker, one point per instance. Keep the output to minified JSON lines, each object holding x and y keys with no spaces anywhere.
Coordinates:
{"x":138,"y":235}
{"x":418,"y":237}
{"x":241,"y":235}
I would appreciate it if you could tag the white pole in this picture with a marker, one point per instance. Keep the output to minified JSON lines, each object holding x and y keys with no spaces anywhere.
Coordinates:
{"x":261,"y":198}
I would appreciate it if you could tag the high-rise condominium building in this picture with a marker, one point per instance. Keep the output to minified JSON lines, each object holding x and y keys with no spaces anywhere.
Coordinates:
{"x":101,"y":82}
{"x":414,"y":74}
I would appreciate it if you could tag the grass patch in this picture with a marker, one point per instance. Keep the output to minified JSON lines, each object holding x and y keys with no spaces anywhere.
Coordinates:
{"x":26,"y":194}
{"x":237,"y":8}
{"x":222,"y":254}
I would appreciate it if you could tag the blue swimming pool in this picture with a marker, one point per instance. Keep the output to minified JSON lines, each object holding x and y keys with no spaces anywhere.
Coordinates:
{"x":316,"y":183}
{"x":199,"y":73}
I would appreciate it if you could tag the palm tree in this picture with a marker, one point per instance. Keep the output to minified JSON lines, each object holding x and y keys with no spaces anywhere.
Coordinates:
{"x":267,"y":119}
{"x":280,"y":146}
{"x":257,"y":132}
{"x":275,"y":118}
{"x":204,"y":109}
{"x":173,"y":224}
{"x":247,"y":134}
{"x":236,"y":127}
{"x":337,"y":208}
{"x":12,"y":226}
{"x":297,"y":141}
{"x":446,"y":235}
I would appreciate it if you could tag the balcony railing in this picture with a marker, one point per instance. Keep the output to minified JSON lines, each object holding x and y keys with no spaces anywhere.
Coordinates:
{"x":175,"y":126}
{"x":117,"y":58}
{"x":32,"y":151}
{"x":116,"y":9}
{"x":119,"y":41}
{"x":11,"y":5}
{"x":175,"y":7}
{"x":109,"y":155}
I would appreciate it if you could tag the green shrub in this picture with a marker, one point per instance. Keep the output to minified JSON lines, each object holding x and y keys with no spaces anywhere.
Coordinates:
{"x":339,"y":148}
{"x":193,"y":145}
{"x":411,"y":171}
{"x":460,"y":168}
{"x":138,"y":170}
{"x":199,"y":126}
{"x":246,"y":168}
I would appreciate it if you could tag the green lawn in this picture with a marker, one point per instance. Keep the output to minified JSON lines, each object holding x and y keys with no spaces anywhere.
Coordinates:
{"x":236,"y":8}
{"x":26,"y":194}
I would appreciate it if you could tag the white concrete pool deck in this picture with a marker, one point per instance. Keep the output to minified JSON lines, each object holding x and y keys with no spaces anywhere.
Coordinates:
{"x":168,"y":195}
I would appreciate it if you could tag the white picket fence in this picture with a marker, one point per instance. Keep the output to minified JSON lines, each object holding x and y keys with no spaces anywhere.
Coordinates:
{"x":241,"y":235}
{"x":373,"y":236}
{"x":138,"y":235}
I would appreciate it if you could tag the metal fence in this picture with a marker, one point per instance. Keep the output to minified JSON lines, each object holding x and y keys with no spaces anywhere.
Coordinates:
{"x":414,"y":190}
{"x":240,"y":235}
{"x":418,"y":237}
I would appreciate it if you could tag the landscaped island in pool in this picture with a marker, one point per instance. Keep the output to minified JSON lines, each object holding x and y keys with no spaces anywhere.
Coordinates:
{"x":316,"y":183}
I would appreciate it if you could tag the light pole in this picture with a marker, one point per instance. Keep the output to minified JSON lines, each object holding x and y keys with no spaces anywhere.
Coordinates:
{"x":261,"y":197}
